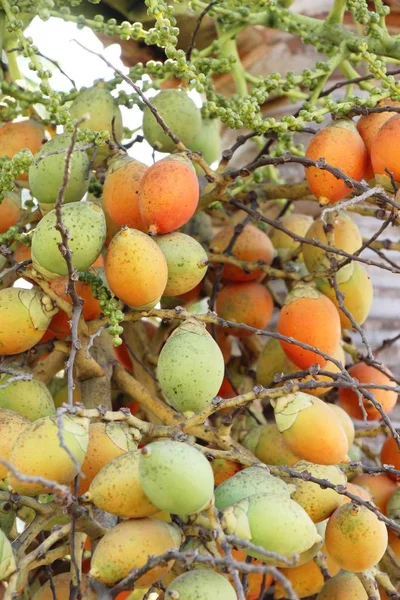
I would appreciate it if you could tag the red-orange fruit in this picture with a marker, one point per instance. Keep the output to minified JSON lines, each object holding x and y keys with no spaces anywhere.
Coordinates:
{"x":122,"y":354}
{"x":135,"y":268}
{"x":224,"y":469}
{"x":384,"y":152}
{"x":10,"y":211}
{"x":355,"y":538}
{"x":91,"y":309}
{"x":252,"y":245}
{"x":168,"y":194}
{"x":249,"y":303}
{"x":390,"y":455}
{"x":380,"y":487}
{"x":21,"y":251}
{"x":306,"y":580}
{"x":366,"y":374}
{"x":341,"y":146}
{"x":311,"y":429}
{"x":368,"y":127}
{"x":254,"y":580}
{"x":17,"y":136}
{"x":309,"y":317}
{"x":121,"y":191}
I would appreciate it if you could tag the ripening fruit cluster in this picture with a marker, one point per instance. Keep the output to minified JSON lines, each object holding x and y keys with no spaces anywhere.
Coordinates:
{"x":145,"y":243}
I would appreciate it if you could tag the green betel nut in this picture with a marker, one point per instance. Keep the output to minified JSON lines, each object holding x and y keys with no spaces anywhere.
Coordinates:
{"x":190,"y":368}
{"x":86,"y":224}
{"x":180,"y":114}
{"x":47,"y":172}
{"x":176,"y":477}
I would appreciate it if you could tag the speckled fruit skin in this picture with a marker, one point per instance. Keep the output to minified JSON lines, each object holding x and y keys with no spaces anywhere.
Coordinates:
{"x":98,"y":103}
{"x":273,"y":361}
{"x":346,"y":236}
{"x":38,"y":452}
{"x":121,"y":191}
{"x":358,"y":295}
{"x":19,"y":135}
{"x":10,"y":211}
{"x":318,"y":503}
{"x":31,"y":398}
{"x":208,"y":142}
{"x":46,"y":174}
{"x":11,"y":427}
{"x":106,"y":441}
{"x":24,"y":318}
{"x":355,"y":538}
{"x":250,"y":481}
{"x":176,"y":477}
{"x":190,"y":367}
{"x":62,"y":587}
{"x":367,"y":374}
{"x":268,"y":444}
{"x":343,"y":586}
{"x":186,"y":259}
{"x":180,"y":114}
{"x":249,"y":303}
{"x":297,"y":223}
{"x":311,"y":318}
{"x":128,"y":545}
{"x":276,"y":524}
{"x":341,"y":146}
{"x":117,"y":488}
{"x":306,"y":579}
{"x":168,"y":194}
{"x":86,"y":224}
{"x":251,"y":245}
{"x":311,"y":429}
{"x":345,"y":421}
{"x":203,"y":584}
{"x":135,"y":268}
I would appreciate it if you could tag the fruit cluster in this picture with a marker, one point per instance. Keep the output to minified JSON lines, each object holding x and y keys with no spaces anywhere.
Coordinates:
{"x":173,"y":424}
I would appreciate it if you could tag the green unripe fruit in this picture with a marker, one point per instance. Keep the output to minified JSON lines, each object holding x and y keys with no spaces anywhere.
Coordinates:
{"x":208,"y":142}
{"x":47,"y":172}
{"x":86,"y":224}
{"x":8,"y":564}
{"x":393,"y":506}
{"x":176,"y":477}
{"x":273,"y":361}
{"x":250,"y":481}
{"x":268,"y":445}
{"x":7,"y":517}
{"x":204,"y":584}
{"x":97,"y":103}
{"x":346,"y":236}
{"x":319,"y":503}
{"x":356,"y":287}
{"x":180,"y":114}
{"x":30,"y":398}
{"x":190,"y":367}
{"x":276,"y":524}
{"x":186,"y":259}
